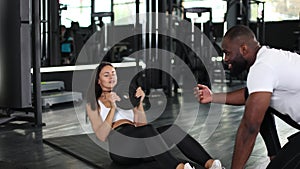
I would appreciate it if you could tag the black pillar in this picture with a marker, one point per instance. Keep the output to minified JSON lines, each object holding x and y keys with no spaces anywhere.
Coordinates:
{"x":36,"y":53}
{"x":53,"y":29}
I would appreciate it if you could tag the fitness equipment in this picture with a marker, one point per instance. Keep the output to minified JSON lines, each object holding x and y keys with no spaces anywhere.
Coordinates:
{"x":127,"y":94}
{"x":48,"y":99}
{"x":100,"y":16}
{"x":53,"y":93}
{"x":51,"y":85}
{"x":146,"y":79}
{"x":126,"y":91}
{"x":196,"y":64}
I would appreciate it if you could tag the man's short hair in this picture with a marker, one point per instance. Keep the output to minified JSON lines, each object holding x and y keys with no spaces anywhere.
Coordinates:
{"x":238,"y":31}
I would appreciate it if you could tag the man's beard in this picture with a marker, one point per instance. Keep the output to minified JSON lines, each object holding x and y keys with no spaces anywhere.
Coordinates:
{"x":238,"y":66}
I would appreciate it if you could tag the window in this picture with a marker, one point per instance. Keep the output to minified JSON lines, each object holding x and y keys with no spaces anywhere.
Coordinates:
{"x":277,"y":10}
{"x":77,"y":11}
{"x":126,"y":9}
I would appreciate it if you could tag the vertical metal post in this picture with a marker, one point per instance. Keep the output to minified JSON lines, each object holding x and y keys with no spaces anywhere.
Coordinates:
{"x":92,"y":18}
{"x":245,"y":12}
{"x":92,"y":10}
{"x":231,"y":16}
{"x":53,"y":33}
{"x":263,"y":24}
{"x":36,"y":54}
{"x":112,"y":10}
{"x":45,"y":56}
{"x":147,"y":44}
{"x":136,"y":27}
{"x":137,"y":6}
{"x":163,"y":29}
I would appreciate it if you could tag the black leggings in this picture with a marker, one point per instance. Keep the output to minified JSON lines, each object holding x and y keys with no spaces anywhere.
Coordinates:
{"x":269,"y":132}
{"x":289,"y":156}
{"x":268,"y":129}
{"x":188,"y":146}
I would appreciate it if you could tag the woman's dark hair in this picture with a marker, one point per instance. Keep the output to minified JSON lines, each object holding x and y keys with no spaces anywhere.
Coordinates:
{"x":94,"y":90}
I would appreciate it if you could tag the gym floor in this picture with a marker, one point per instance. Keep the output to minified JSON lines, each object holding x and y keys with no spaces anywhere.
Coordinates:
{"x":21,"y":144}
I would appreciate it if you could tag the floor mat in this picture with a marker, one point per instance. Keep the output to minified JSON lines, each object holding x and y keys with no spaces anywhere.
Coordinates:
{"x":10,"y":165}
{"x":85,"y":149}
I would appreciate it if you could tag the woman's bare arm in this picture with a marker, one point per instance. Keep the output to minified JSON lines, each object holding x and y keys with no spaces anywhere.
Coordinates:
{"x":139,"y":112}
{"x":100,"y":127}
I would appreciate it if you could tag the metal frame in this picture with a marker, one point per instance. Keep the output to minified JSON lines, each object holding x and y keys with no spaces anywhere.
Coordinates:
{"x":36,"y":52}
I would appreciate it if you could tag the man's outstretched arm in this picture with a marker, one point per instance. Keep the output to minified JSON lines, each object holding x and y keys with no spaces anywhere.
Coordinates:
{"x":205,"y":95}
{"x":255,"y":109}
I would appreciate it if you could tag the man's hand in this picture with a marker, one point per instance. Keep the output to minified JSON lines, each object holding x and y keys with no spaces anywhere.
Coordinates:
{"x":203,"y":94}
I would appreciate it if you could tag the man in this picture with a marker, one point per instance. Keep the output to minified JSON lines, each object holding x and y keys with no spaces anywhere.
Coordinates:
{"x":273,"y":87}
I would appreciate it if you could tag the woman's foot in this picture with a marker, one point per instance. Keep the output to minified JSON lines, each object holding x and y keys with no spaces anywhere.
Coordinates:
{"x":188,"y":166}
{"x":213,"y":164}
{"x":184,"y":166}
{"x":180,"y":166}
{"x":216,"y":165}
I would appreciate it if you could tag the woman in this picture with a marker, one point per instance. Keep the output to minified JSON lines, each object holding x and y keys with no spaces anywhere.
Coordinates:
{"x":107,"y":120}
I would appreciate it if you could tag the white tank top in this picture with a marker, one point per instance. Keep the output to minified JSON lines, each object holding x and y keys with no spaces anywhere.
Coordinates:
{"x":119,"y":114}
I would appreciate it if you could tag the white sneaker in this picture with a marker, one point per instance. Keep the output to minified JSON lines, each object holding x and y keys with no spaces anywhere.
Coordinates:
{"x":188,"y":166}
{"x":216,"y":165}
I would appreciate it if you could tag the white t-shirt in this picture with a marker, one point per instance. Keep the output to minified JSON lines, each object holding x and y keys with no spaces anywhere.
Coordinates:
{"x":119,"y":114}
{"x":277,"y":71}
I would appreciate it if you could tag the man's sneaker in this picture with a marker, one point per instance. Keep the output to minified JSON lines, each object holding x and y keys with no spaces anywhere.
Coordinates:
{"x":216,"y":165}
{"x":188,"y":166}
